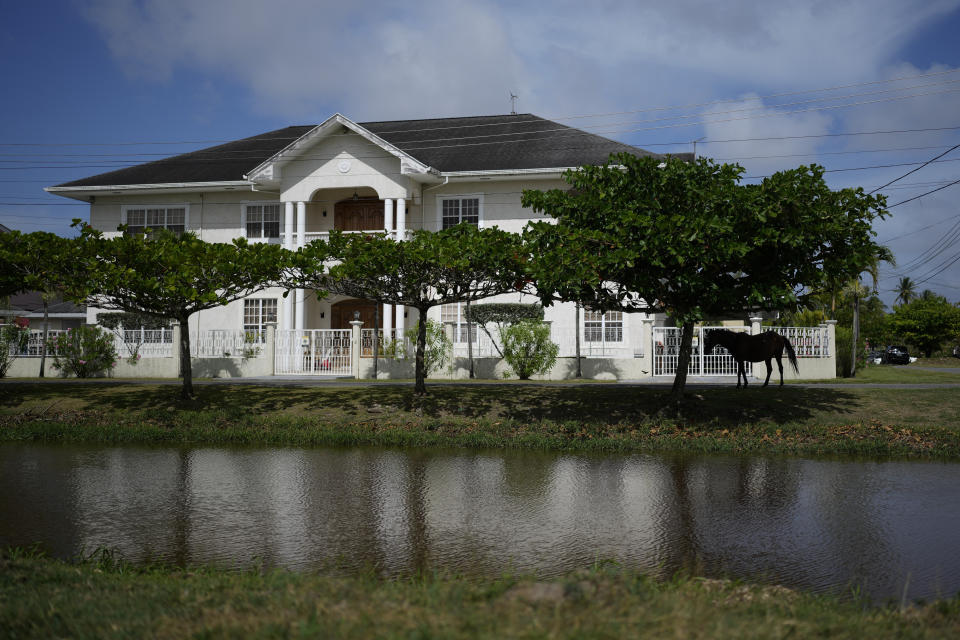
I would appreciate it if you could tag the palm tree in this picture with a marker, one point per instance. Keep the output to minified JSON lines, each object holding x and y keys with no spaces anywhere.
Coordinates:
{"x":857,"y":290}
{"x":906,"y":290}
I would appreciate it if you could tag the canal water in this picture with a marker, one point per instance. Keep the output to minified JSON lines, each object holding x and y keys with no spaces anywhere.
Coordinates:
{"x":888,"y":528}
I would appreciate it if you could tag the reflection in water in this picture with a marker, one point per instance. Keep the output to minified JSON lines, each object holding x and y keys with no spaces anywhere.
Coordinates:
{"x":804,"y":523}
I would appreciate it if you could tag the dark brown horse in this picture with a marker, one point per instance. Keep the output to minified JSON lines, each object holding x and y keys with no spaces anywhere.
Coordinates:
{"x":746,"y":348}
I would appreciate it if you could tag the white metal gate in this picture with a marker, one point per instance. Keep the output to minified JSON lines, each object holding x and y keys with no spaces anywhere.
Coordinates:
{"x":666,"y":353}
{"x":316,"y":352}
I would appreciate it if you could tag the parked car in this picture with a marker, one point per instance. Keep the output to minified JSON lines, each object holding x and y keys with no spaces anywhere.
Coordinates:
{"x":896,"y":354}
{"x":876,"y":357}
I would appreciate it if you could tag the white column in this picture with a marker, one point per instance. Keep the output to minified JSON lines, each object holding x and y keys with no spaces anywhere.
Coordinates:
{"x":401,"y":219}
{"x":301,"y":241}
{"x":288,"y":244}
{"x":388,"y":215}
{"x":401,"y":323}
{"x":387,"y":320}
{"x":301,"y":224}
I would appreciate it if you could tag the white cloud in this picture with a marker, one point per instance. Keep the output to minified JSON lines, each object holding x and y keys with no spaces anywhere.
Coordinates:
{"x":384,"y":59}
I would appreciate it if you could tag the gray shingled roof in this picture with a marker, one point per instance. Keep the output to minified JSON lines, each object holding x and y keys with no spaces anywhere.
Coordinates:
{"x":31,"y":302}
{"x":485,"y":143}
{"x":480,"y":143}
{"x":225,"y":162}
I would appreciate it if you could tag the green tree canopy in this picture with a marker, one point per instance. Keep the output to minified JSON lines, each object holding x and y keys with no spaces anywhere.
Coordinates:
{"x":926,"y":323}
{"x":430,"y":268}
{"x":47,"y":263}
{"x":687,"y":239}
{"x":172,"y":276}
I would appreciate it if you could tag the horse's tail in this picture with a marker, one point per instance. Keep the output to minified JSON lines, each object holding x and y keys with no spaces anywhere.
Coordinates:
{"x":791,"y":354}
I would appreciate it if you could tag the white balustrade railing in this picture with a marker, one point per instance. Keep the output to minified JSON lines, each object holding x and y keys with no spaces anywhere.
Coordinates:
{"x":146,"y":343}
{"x":395,"y":344}
{"x":808,"y":342}
{"x":34,"y":346}
{"x":310,"y":236}
{"x":220,"y":343}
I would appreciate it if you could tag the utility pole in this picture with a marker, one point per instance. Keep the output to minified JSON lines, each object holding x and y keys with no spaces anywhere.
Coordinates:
{"x":513,"y":103}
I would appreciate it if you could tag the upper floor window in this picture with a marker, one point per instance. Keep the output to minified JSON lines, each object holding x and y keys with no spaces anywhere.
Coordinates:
{"x":138,"y":219}
{"x":262,"y":220}
{"x":602,"y":327}
{"x":457,"y":209}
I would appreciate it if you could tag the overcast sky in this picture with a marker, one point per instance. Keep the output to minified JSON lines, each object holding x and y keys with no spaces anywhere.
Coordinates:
{"x":84,"y":79}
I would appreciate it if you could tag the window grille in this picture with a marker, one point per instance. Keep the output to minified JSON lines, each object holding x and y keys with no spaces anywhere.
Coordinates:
{"x":257,"y":312}
{"x":456,"y":313}
{"x":172,"y":218}
{"x":602,"y":327}
{"x":457,"y":210}
{"x":263,"y":220}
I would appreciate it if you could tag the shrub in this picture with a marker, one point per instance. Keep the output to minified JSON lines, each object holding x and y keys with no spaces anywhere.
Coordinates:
{"x":528,"y":350}
{"x":84,"y":352}
{"x":436,"y":354}
{"x":503,"y":314}
{"x":13,"y":340}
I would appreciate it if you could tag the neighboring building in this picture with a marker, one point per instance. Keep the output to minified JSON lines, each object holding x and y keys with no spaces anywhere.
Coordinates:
{"x":62,"y":314}
{"x":296,"y":184}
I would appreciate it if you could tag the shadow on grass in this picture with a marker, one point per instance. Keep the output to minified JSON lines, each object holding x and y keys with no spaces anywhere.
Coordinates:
{"x":596,"y":404}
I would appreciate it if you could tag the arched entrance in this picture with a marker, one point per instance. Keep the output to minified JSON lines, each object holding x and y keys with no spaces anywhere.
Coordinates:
{"x":342,"y":313}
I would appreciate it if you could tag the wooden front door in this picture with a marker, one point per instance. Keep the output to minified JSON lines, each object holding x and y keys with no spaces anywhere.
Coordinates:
{"x":365,"y":214}
{"x":341,"y":313}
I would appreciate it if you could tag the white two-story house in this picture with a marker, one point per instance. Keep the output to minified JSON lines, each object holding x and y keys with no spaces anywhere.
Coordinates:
{"x":296,"y":184}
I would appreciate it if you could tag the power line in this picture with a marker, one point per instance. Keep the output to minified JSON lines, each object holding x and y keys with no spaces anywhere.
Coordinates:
{"x":918,"y":168}
{"x":924,"y":194}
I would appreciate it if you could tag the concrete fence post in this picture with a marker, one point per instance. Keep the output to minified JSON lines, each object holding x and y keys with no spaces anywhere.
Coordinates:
{"x":832,"y":344}
{"x":355,"y":347}
{"x":270,"y":348}
{"x":756,"y":324}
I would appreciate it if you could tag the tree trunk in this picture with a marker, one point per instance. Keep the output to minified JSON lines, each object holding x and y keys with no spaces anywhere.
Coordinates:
{"x":856,"y":334}
{"x":376,"y":339}
{"x":576,"y":332}
{"x":46,"y":325}
{"x":683,"y":360}
{"x":469,"y":342}
{"x":186,"y":393}
{"x":420,"y":387}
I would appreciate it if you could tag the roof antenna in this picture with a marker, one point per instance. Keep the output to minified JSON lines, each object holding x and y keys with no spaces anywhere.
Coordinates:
{"x":513,"y":104}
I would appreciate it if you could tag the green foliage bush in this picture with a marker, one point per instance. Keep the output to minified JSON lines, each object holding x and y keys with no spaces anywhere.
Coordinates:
{"x":438,"y":349}
{"x":527,"y":348}
{"x":501,"y":315}
{"x":85,"y":352}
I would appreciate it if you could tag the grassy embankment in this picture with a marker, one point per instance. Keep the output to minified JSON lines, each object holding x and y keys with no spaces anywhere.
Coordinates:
{"x":103,"y":598}
{"x":597,"y":417}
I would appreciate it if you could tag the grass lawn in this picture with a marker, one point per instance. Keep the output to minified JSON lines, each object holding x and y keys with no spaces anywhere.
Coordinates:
{"x":901,"y":374}
{"x":601,"y":417}
{"x":103,"y":598}
{"x":944,"y":361}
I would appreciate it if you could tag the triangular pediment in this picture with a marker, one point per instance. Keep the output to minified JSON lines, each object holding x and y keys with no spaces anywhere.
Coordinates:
{"x":337,"y":124}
